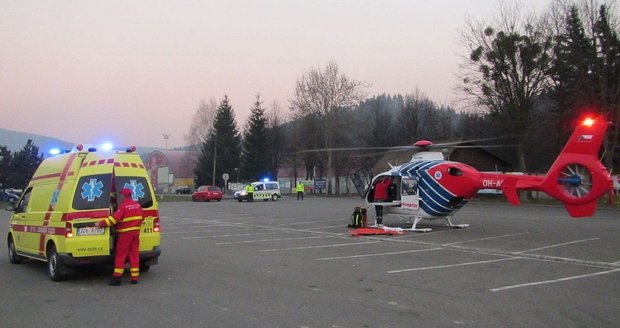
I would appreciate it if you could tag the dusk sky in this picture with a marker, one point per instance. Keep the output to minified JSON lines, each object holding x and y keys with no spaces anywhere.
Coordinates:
{"x":129,"y":71}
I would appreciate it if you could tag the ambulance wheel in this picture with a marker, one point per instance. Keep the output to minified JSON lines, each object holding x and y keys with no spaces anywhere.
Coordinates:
{"x":13,"y":257}
{"x":274,"y":197}
{"x":53,"y":266}
{"x":144,"y":267}
{"x":239,"y":200}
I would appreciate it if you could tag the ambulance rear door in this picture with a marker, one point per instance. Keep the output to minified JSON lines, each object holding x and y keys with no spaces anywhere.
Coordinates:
{"x":91,"y":203}
{"x":130,"y":173}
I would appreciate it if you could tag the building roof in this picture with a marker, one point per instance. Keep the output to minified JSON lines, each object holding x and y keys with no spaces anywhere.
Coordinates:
{"x":181,"y":163}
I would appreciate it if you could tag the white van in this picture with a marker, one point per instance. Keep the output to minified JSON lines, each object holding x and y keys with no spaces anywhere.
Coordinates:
{"x":264,"y":190}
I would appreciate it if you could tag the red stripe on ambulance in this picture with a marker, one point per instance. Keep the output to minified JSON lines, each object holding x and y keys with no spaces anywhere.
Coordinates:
{"x":48,"y":214}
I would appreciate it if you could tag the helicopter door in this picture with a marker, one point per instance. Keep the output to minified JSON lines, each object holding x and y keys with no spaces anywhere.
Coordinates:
{"x":410,"y":199}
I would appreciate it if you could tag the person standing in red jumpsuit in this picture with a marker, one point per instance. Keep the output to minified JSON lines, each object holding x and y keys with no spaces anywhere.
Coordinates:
{"x":127,"y":219}
{"x":381,"y":195}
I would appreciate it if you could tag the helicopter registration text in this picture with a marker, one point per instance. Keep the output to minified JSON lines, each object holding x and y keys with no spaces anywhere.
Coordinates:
{"x":494,"y":184}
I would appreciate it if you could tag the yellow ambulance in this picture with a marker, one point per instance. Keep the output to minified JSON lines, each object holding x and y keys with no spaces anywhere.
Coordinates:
{"x":54,"y":219}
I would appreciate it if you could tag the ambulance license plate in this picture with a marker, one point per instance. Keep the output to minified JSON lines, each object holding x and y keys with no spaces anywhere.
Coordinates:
{"x":87,"y":231}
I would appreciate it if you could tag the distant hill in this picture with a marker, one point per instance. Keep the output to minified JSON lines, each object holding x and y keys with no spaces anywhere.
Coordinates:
{"x":15,"y":141}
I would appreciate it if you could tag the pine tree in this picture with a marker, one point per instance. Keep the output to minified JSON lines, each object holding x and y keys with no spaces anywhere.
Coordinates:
{"x":608,"y":73}
{"x":255,"y":156}
{"x":5,"y":161}
{"x":23,"y":165}
{"x":575,"y":59}
{"x":221,"y":147}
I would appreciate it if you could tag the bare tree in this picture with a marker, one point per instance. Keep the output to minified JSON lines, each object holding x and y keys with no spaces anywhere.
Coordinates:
{"x":275,"y":121}
{"x":505,"y":70}
{"x":202,"y":122}
{"x":324,"y":94}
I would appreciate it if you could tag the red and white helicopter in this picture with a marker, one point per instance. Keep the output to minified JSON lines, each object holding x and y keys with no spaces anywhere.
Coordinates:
{"x":430,"y":187}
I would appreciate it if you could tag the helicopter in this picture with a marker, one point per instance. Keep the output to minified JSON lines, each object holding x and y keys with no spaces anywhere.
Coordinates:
{"x":429,"y":187}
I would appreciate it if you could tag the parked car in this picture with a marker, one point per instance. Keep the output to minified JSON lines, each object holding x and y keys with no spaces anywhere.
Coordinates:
{"x":239,"y":192}
{"x":183,"y":191}
{"x":8,"y":195}
{"x":207,"y":193}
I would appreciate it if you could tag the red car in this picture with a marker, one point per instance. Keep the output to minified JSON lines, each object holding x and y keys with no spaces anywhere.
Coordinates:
{"x":207,"y":193}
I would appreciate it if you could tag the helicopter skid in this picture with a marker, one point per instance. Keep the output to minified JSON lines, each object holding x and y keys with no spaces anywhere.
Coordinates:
{"x":414,"y":223}
{"x":455,"y":226}
{"x":418,"y":229}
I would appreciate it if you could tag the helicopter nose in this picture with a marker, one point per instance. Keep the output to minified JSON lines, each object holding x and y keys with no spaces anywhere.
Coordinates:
{"x":459,"y":179}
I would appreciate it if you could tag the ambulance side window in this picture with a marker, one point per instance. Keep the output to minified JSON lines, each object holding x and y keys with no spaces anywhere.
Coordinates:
{"x":23,"y":202}
{"x":93,"y":192}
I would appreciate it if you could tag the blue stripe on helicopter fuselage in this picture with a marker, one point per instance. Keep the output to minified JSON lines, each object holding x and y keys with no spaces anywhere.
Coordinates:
{"x":434,"y":198}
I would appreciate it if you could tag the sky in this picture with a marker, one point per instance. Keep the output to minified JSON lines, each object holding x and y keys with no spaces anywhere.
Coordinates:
{"x":131,"y":71}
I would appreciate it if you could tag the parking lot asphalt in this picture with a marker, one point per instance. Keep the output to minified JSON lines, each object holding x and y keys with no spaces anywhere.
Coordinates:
{"x":293,"y":263}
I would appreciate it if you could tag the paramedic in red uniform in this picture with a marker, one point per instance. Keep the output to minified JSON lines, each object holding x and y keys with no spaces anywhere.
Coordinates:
{"x":381,"y":195}
{"x":128,"y":219}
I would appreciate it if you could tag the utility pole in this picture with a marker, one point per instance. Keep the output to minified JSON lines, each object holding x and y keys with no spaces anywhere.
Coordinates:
{"x":214,"y":158}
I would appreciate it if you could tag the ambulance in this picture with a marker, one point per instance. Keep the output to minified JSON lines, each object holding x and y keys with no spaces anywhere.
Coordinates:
{"x":54,"y":219}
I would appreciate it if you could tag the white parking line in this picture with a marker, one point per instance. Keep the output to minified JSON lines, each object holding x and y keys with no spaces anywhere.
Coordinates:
{"x":554,"y":280}
{"x":178,"y":232}
{"x":318,"y":246}
{"x":453,"y":265}
{"x":377,"y":254}
{"x":323,"y":227}
{"x":266,"y":240}
{"x":294,"y":223}
{"x":239,"y":234}
{"x":487,"y":238}
{"x":556,"y":245}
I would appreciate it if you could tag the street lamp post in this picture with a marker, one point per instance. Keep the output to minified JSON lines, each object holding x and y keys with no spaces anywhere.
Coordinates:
{"x":166,"y":136}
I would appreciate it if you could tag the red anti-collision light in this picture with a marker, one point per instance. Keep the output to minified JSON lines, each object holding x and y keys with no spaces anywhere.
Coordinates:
{"x":422,"y":143}
{"x":79,"y":147}
{"x":588,"y":121}
{"x":131,"y":149}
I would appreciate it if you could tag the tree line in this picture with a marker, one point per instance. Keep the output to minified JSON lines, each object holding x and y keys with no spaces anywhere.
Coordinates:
{"x":528,"y":77}
{"x":16,"y":168}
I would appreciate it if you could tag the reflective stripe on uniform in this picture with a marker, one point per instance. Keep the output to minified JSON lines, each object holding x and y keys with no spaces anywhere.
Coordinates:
{"x":110,"y":221}
{"x":128,"y":229}
{"x":119,"y":270}
{"x":132,"y":218}
{"x":135,"y":272}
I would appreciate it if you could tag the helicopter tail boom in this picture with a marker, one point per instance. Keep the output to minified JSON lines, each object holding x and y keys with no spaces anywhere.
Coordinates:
{"x":577,"y":178}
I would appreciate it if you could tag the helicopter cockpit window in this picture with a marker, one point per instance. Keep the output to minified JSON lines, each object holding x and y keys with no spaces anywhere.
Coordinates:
{"x":410,"y":186}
